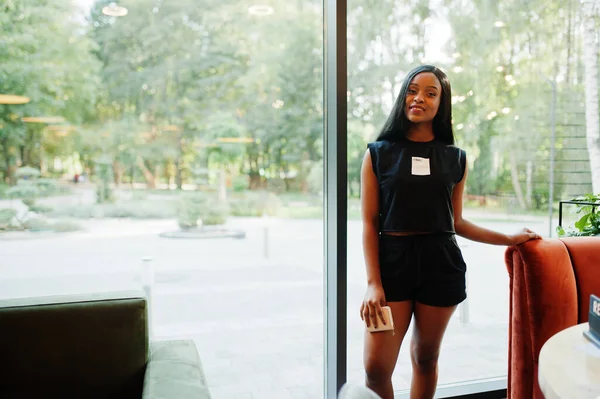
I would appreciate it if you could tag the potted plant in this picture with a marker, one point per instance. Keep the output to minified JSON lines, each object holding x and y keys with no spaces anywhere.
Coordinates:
{"x":588,"y":223}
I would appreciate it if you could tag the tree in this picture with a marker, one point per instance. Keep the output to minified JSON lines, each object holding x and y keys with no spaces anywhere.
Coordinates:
{"x":46,"y":56}
{"x":167,"y":66}
{"x":279,"y":99}
{"x":504,"y":55}
{"x":591,"y":10}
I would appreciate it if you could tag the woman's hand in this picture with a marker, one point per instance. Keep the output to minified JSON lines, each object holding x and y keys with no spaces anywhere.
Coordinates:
{"x":523,"y":235}
{"x":371,"y":306}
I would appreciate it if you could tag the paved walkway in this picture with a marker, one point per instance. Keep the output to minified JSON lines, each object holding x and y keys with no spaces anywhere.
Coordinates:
{"x":258,"y":320}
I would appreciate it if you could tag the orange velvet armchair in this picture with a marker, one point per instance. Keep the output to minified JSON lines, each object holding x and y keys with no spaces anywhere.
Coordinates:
{"x":551,"y":281}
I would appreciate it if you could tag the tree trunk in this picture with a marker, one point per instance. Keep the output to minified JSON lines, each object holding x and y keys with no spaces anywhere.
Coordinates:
{"x":119,"y":171}
{"x":132,"y":176}
{"x":222,"y":185}
{"x":179,"y":162}
{"x":9,"y":176}
{"x":150,"y":179}
{"x":156,"y":175}
{"x":23,"y":155}
{"x":514,"y":174}
{"x":569,"y":43}
{"x":529,"y":185}
{"x":592,"y":120}
{"x":178,"y":176}
{"x":166,"y":169}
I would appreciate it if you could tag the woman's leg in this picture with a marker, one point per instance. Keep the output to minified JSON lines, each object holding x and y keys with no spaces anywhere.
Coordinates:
{"x":381,"y":350}
{"x":428,"y":331}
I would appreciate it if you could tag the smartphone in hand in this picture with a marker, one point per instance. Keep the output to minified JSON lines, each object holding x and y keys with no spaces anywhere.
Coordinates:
{"x":389,"y":321}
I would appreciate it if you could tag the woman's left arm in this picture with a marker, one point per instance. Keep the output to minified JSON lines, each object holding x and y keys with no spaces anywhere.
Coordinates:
{"x":473,"y":232}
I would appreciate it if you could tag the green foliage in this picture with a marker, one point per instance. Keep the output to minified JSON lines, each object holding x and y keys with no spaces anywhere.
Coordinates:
{"x":37,"y":208}
{"x":240,"y":183}
{"x":28,"y":202}
{"x":190,"y":210}
{"x":503,"y":57}
{"x":254,"y":203}
{"x":47,"y":187}
{"x":27,"y":172}
{"x":199,"y":208}
{"x":245,"y":207}
{"x":157,"y":91}
{"x":46,"y":56}
{"x":151,"y":209}
{"x":214,"y":215}
{"x":589,"y":221}
{"x":359,"y":134}
{"x":315,"y":179}
{"x":7,"y":215}
{"x":480,"y":182}
{"x":104,"y":172}
{"x":28,"y":191}
{"x":24,"y":189}
{"x":40,"y":225}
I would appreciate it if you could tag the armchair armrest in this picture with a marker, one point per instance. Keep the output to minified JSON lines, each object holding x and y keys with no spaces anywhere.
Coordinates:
{"x":174,"y":371}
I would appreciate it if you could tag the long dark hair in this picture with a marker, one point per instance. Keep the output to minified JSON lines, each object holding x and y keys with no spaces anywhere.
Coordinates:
{"x":397,"y":124}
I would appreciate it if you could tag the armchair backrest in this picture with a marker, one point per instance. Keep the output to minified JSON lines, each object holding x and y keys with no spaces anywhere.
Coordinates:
{"x":88,"y":346}
{"x":550,"y":285}
{"x":585,"y":259}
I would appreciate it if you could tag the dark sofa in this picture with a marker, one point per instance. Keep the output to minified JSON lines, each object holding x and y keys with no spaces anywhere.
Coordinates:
{"x":92,"y":346}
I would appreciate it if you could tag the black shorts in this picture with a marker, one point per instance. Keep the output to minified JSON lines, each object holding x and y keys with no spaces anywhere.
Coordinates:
{"x":427,"y":268}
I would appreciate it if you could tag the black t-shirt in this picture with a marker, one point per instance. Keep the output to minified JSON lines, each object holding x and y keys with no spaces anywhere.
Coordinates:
{"x":416,"y":180}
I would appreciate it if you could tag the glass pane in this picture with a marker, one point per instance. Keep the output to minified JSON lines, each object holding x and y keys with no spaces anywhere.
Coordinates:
{"x":183,"y":138}
{"x":504,"y":59}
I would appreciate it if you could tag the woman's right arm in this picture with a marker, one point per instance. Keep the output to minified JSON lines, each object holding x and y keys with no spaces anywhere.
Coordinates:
{"x":369,"y":194}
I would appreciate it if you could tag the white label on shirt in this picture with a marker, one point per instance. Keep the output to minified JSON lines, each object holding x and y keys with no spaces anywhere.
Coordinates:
{"x":420,"y":166}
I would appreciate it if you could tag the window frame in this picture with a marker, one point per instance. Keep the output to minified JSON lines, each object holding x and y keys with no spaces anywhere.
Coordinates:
{"x":335,"y":207}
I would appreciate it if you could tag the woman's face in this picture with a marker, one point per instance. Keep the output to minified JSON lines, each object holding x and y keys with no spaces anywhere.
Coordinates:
{"x":423,"y":98}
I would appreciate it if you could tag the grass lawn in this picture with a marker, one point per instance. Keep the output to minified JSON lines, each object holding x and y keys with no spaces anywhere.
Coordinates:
{"x":160,"y":204}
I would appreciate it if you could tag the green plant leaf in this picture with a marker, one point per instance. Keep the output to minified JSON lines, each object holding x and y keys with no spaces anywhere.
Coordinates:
{"x":581,"y":223}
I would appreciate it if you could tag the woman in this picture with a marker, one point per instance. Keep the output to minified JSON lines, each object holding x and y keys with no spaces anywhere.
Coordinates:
{"x":412,"y":183}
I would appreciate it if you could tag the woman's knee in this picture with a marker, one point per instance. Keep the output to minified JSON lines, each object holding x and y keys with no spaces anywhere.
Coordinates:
{"x":378,"y":372}
{"x":424,"y":358}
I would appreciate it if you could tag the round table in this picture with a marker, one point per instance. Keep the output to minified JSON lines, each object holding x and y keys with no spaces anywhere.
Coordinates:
{"x":569,"y":365}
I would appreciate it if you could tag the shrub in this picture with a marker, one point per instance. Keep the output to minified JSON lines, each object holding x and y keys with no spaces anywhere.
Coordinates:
{"x":315,"y":179}
{"x":196,"y":207}
{"x":37,"y":208}
{"x":126,"y":209}
{"x":39,"y":224}
{"x":36,"y":224}
{"x":104,"y":173}
{"x":255,"y":203}
{"x":6,"y":218}
{"x":214,"y":214}
{"x":65,"y":226}
{"x":240,"y":183}
{"x":24,"y":189}
{"x":3,"y":189}
{"x":245,"y":207}
{"x":189,"y":210}
{"x":47,"y":187}
{"x":137,"y":210}
{"x":79,"y":212}
{"x":27,"y":172}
